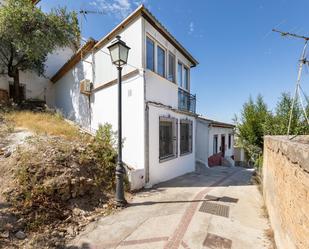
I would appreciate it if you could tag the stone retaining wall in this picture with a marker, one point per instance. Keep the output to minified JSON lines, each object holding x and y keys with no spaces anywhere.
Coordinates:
{"x":286,"y":189}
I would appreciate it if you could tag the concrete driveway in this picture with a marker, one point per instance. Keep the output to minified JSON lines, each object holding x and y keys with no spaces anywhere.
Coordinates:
{"x":216,"y":208}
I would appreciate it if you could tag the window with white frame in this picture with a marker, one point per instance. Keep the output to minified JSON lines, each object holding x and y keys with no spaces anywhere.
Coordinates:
{"x":150,"y":50}
{"x":179,"y":74}
{"x":171,"y":67}
{"x":167,"y":137}
{"x":160,"y":61}
{"x":183,"y":76}
{"x":185,"y":136}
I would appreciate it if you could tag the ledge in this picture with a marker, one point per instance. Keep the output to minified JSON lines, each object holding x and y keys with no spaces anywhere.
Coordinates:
{"x":296,"y":149}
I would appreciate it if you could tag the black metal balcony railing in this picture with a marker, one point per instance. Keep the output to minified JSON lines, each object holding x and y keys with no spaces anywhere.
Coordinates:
{"x":186,"y":101}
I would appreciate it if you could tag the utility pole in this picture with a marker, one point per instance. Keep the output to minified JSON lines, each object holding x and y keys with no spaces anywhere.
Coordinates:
{"x":303,"y":61}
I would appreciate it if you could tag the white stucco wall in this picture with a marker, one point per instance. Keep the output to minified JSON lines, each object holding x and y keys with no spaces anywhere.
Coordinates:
{"x":57,"y":59}
{"x":132,"y":36}
{"x":163,"y":171}
{"x":104,"y":101}
{"x":202,"y":141}
{"x":161,"y":90}
{"x":221,"y":131}
{"x":105,"y":110}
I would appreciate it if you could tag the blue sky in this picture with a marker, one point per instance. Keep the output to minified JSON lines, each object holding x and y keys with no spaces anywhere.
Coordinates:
{"x":238,"y":54}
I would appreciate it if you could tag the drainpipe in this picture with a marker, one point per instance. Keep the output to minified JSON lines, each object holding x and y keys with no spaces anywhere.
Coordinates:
{"x":146,"y":134}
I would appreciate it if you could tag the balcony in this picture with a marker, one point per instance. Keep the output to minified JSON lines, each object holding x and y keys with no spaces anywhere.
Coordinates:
{"x":186,"y":101}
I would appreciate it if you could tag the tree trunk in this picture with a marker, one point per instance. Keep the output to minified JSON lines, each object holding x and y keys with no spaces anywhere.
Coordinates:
{"x":16,"y":95}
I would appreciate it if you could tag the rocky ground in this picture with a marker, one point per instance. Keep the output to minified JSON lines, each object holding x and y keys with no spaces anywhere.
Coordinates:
{"x":52,"y":187}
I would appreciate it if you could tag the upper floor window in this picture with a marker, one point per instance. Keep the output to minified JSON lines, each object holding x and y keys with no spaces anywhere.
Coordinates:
{"x":179,"y":74}
{"x":183,"y":76}
{"x":171,"y":67}
{"x":186,"y":78}
{"x":150,"y":54}
{"x":161,"y":61}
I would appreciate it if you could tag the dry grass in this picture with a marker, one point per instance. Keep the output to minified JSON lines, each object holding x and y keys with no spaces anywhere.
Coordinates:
{"x":43,"y":123}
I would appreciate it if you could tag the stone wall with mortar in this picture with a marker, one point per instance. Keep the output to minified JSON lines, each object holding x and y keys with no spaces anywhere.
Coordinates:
{"x":286,"y":189}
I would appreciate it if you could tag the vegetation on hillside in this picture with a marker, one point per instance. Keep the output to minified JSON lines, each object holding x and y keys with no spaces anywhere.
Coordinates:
{"x":61,"y":178}
{"x":256,"y":121}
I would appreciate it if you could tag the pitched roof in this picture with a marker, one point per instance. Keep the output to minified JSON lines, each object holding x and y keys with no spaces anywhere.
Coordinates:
{"x":215,"y":123}
{"x":140,"y":11}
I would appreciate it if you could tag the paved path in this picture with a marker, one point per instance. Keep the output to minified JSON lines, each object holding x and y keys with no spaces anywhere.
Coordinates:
{"x":172,"y":215}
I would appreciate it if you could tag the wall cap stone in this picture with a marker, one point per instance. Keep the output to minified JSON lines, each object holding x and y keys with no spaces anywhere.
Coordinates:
{"x":296,"y":149}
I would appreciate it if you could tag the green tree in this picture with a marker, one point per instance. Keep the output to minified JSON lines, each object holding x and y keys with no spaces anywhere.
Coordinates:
{"x":250,"y":129}
{"x":256,"y":121}
{"x":278,"y":123}
{"x":28,"y":35}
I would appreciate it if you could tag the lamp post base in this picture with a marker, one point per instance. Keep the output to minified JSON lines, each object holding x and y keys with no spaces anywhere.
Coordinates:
{"x":120,"y":199}
{"x":121,"y":203}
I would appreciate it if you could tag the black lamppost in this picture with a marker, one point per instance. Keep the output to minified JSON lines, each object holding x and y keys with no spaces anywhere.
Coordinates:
{"x":119,"y":54}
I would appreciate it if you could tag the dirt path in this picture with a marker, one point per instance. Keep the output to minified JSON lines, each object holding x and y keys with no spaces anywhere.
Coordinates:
{"x":218,"y":208}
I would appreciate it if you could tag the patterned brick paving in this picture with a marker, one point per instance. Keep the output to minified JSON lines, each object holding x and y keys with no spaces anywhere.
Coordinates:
{"x":176,"y":239}
{"x":142,"y":241}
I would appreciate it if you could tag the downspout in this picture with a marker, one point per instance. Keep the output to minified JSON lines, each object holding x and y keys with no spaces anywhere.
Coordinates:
{"x":146,"y":139}
{"x":146,"y":114}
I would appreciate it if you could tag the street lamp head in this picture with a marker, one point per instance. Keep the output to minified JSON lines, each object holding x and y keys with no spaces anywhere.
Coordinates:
{"x":119,"y":52}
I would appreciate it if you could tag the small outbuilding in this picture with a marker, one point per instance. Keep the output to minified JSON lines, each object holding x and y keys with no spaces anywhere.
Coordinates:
{"x":214,"y":142}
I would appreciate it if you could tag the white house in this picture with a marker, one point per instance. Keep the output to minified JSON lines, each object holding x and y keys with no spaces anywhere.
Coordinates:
{"x":159,"y":117}
{"x":212,"y":138}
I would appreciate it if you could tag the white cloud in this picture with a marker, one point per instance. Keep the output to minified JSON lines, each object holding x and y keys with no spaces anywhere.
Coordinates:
{"x":191,"y":27}
{"x":119,"y":8}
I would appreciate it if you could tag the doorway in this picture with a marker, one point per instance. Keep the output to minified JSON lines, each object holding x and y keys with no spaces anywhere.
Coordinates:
{"x":222,"y":145}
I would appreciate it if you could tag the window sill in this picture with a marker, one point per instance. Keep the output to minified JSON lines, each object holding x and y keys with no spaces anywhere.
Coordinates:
{"x":186,"y":153}
{"x":167,"y":158}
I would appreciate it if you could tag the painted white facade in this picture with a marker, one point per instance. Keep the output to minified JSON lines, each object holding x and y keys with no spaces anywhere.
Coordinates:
{"x":202,"y":141}
{"x":219,"y":131}
{"x":139,"y":92}
{"x":206,"y":130}
{"x":170,"y":168}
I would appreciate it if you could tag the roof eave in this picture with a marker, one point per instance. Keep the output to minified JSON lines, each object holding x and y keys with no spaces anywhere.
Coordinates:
{"x":169,"y":36}
{"x":73,"y":60}
{"x":141,"y":10}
